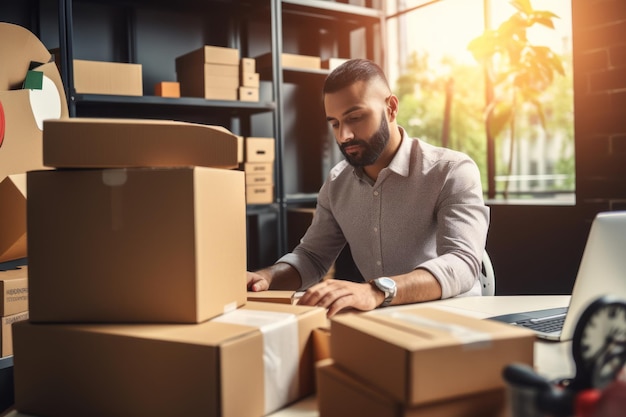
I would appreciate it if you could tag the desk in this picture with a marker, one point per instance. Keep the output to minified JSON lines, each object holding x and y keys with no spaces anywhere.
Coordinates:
{"x":552,"y":359}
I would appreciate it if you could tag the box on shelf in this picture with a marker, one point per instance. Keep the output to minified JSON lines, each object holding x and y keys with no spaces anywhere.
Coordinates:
{"x":291,"y":61}
{"x":259,"y":149}
{"x":13,"y":217}
{"x":259,"y":179}
{"x":259,"y":194}
{"x":340,"y":393}
{"x":430,"y":354}
{"x":209,"y":54}
{"x":253,"y":168}
{"x":249,"y":362}
{"x":248,"y":94}
{"x":332,"y":63}
{"x":167,"y":89}
{"x":117,"y":143}
{"x":99,"y":77}
{"x":247,"y":65}
{"x":136,"y":244}
{"x":250,"y":79}
{"x":14,"y":289}
{"x":6,"y":332}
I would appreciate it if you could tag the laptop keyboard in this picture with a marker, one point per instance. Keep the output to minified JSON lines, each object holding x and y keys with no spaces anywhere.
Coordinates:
{"x":545,"y":324}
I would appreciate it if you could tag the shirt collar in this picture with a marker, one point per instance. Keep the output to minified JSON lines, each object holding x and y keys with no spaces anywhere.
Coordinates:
{"x":399,"y":164}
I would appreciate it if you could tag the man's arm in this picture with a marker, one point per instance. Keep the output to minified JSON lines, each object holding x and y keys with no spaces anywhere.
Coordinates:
{"x":280,"y":276}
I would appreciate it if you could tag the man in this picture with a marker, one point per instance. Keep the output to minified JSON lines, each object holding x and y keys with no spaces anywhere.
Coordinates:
{"x":413,"y":214}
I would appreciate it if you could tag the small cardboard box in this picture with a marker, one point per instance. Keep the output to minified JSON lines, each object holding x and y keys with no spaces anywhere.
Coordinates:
{"x":249,"y":362}
{"x":250,"y":79}
{"x":248,"y":94}
{"x":254,"y":168}
{"x":259,"y":179}
{"x":429,"y":354}
{"x":167,"y":89}
{"x":290,"y":60}
{"x":6,"y":332}
{"x":248,"y":65}
{"x":13,"y":217}
{"x":136,"y":245}
{"x":99,"y":77}
{"x":118,"y":143}
{"x":14,"y":288}
{"x":210,"y":55}
{"x":273,"y":296}
{"x":260,"y":149}
{"x":341,"y":394}
{"x":259,"y":194}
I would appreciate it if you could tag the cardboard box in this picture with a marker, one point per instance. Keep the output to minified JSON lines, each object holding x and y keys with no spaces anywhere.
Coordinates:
{"x":429,"y":354}
{"x":247,"y":65}
{"x":240,"y":152}
{"x":273,"y":296}
{"x":167,"y":89}
{"x":196,"y":83}
{"x":259,"y":194}
{"x":14,"y":289}
{"x":340,"y":394}
{"x":210,"y":55}
{"x":332,"y":63}
{"x":136,"y":245}
{"x":248,"y":94}
{"x":249,"y":362}
{"x":290,"y":60}
{"x":20,"y":48}
{"x":259,"y":179}
{"x":260,"y":149}
{"x":250,"y":79}
{"x":99,"y":77}
{"x":118,"y":143}
{"x":254,"y":168}
{"x":13,"y":217}
{"x":321,"y":344}
{"x":6,"y":332}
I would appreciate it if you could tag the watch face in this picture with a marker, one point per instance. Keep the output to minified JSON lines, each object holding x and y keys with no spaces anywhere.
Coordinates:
{"x":599,"y":342}
{"x":386,"y":282}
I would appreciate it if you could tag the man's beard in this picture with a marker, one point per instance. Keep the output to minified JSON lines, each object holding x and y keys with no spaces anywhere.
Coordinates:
{"x":370,"y":149}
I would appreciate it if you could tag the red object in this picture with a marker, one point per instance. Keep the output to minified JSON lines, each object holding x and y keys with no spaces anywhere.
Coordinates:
{"x":586,"y":402}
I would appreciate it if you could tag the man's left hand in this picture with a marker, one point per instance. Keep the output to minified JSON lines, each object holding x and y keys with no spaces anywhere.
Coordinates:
{"x":336,"y":295}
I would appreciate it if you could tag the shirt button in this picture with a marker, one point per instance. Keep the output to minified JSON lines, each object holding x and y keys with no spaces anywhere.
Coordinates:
{"x":378,"y":263}
{"x":375,"y":192}
{"x":376,"y":229}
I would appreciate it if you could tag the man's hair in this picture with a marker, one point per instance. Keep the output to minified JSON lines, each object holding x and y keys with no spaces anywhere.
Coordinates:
{"x":351,"y":72}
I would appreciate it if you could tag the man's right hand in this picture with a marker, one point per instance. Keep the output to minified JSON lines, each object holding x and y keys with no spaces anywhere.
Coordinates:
{"x":257,"y":282}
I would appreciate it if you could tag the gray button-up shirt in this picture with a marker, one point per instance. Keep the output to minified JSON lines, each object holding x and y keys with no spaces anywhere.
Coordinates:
{"x":425,"y":210}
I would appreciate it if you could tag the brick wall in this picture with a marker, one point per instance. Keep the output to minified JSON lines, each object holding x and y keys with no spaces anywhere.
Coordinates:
{"x":600,"y":104}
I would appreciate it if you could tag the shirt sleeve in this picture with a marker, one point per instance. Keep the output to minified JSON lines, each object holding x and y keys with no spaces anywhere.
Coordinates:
{"x":320,"y":245}
{"x":463,"y":221}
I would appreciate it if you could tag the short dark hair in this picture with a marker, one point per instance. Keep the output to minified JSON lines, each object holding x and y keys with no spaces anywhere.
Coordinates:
{"x":352,"y":71}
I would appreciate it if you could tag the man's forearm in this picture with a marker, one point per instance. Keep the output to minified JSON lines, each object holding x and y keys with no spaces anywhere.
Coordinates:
{"x":282,"y":276}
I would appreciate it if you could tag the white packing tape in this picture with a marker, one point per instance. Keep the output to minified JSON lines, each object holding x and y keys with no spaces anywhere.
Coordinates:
{"x":470,"y":338}
{"x":281,"y":355}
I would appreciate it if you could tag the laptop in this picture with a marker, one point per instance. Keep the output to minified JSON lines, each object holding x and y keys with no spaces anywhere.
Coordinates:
{"x":602,"y":271}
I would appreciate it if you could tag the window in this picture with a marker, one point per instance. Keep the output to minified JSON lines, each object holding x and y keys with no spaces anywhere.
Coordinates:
{"x":443,"y":92}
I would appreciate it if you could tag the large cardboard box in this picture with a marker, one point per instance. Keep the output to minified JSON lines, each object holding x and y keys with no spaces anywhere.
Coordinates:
{"x":13,"y":217}
{"x":99,"y":77}
{"x":194,"y":82}
{"x":136,"y":245}
{"x":117,"y":143}
{"x":249,"y":362}
{"x":426,"y":354}
{"x":14,"y":289}
{"x":6,"y":332}
{"x":341,"y":394}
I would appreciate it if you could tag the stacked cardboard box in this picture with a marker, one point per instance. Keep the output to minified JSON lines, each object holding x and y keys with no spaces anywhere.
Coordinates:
{"x":418,"y":361}
{"x":137,"y":280}
{"x":259,"y":169}
{"x":217,"y":73}
{"x":13,"y":305}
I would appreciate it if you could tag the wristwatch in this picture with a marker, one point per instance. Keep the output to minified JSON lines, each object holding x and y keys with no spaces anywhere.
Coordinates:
{"x":388,"y":287}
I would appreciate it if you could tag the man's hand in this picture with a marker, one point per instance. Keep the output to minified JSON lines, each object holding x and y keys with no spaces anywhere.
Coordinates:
{"x":336,"y":295}
{"x":257,"y":282}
